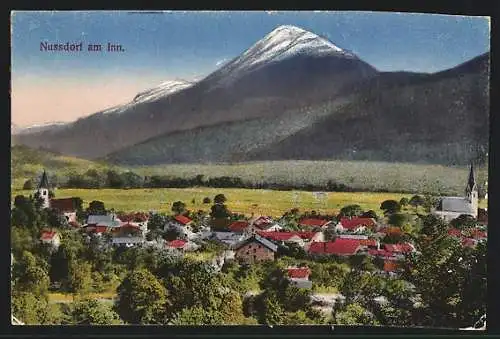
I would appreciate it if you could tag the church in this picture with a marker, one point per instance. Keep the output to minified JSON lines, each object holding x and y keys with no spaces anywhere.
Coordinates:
{"x":450,"y":208}
{"x":67,"y":207}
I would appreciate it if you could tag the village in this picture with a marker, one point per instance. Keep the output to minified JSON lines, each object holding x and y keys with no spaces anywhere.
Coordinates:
{"x":255,"y":239}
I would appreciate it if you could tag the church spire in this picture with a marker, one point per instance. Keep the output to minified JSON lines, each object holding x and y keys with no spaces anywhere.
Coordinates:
{"x":44,"y":182}
{"x":471,"y":182}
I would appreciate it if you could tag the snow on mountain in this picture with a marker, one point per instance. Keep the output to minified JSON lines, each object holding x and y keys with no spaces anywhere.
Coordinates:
{"x":162,"y":90}
{"x":36,"y":127}
{"x":283,"y":42}
{"x":165,"y":88}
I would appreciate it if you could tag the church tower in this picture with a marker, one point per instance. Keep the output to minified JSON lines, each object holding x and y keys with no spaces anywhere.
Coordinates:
{"x":471,"y":193}
{"x":43,"y":190}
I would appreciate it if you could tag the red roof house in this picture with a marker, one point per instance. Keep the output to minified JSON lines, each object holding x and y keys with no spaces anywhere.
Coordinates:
{"x":239,"y":226}
{"x":314,"y":222}
{"x":183,"y":220}
{"x":369,"y":242}
{"x":354,"y":224}
{"x":299,"y":272}
{"x":176,"y":244}
{"x":340,"y":246}
{"x":399,"y":248}
{"x":63,"y":205}
{"x":50,"y":237}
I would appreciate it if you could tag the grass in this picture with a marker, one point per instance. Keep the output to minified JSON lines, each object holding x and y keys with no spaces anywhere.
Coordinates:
{"x":27,"y":163}
{"x":68,"y":297}
{"x":245,"y":201}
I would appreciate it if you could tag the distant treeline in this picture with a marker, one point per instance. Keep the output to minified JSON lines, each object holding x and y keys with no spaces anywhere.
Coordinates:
{"x":92,"y":179}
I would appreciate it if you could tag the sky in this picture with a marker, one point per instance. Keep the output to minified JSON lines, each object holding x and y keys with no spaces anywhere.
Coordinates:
{"x":58,"y":86}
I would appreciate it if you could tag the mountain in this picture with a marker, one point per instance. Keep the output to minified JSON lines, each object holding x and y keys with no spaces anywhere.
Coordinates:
{"x":286,"y":71}
{"x":406,"y":117}
{"x":37,"y":128}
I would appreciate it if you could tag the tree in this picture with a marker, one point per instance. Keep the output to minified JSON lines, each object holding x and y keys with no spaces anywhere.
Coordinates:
{"x":93,"y":312}
{"x":219,"y":211}
{"x":141,"y":298}
{"x":156,"y":222}
{"x":206,"y":200}
{"x":370,"y":214}
{"x":432,"y":226}
{"x":28,"y":185}
{"x":132,"y":180}
{"x":178,"y":207}
{"x":463,"y":222}
{"x":398,"y":219}
{"x":80,"y":277}
{"x":416,"y":201}
{"x":96,"y":208}
{"x":390,"y":207}
{"x":30,"y":308}
{"x":273,"y":312}
{"x":429,"y":202}
{"x":354,"y":314}
{"x":114,"y":179}
{"x":404,"y":202}
{"x":196,"y":284}
{"x":195,"y":315}
{"x":29,"y":276}
{"x":220,"y":199}
{"x":350,"y":211}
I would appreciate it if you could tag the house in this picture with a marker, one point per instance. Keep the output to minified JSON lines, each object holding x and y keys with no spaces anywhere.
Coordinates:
{"x":181,"y":223}
{"x":240,"y":226}
{"x":265,"y":224}
{"x":102,"y":223}
{"x":311,"y":223}
{"x":282,"y":237}
{"x":128,"y":235}
{"x":299,"y":277}
{"x":255,"y":249}
{"x":341,"y":247}
{"x":450,"y":208}
{"x":355,"y":225}
{"x":180,"y":245}
{"x":228,"y":238}
{"x":51,"y":238}
{"x":66,"y":207}
{"x":399,"y":250}
{"x":303,"y":239}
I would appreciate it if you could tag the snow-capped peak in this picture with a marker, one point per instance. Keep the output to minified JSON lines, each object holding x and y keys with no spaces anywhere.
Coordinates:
{"x":283,"y":42}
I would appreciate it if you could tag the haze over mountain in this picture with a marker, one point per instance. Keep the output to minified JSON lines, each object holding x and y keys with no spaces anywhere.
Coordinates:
{"x":292,"y":95}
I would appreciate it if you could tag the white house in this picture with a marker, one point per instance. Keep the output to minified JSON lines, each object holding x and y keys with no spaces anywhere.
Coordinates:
{"x":51,"y":237}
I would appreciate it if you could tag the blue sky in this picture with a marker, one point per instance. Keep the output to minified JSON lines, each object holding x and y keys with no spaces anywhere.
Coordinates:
{"x":190,"y":44}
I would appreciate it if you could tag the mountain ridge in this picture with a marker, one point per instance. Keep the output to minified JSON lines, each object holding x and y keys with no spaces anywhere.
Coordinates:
{"x":290,"y":85}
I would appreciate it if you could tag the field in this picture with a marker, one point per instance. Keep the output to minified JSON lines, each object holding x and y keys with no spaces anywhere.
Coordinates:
{"x":245,"y":201}
{"x":27,"y":163}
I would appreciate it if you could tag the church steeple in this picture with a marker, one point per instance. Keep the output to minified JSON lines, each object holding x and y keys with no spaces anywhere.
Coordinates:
{"x":44,"y":182}
{"x":471,"y":182}
{"x":43,"y":190}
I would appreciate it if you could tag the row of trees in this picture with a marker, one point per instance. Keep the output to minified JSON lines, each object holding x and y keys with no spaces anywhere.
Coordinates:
{"x":115,"y":179}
